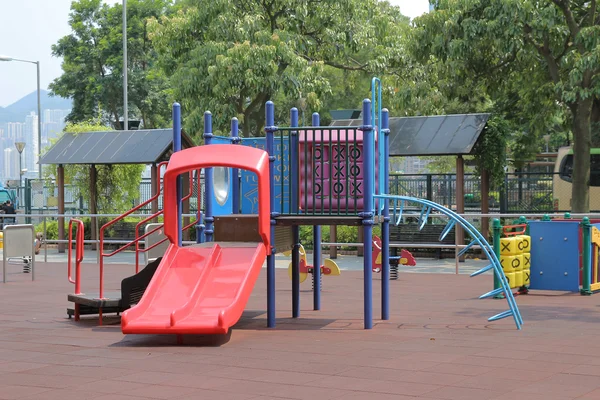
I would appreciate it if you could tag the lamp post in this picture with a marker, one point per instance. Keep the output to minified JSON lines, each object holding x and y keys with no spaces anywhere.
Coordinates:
{"x":39,"y":107}
{"x":20,"y":146}
{"x":125,"y":110}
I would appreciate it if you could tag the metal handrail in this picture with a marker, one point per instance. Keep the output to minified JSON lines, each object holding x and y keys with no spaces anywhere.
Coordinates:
{"x":137,"y":226}
{"x":101,"y":238}
{"x":78,"y":253}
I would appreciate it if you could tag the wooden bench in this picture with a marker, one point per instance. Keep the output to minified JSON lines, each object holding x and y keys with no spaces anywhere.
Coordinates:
{"x":430,"y":234}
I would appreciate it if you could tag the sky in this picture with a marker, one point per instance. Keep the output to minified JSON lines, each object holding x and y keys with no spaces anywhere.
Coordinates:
{"x":29,"y":28}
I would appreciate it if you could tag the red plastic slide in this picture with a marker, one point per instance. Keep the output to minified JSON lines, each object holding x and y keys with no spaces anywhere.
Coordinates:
{"x":203,"y":289}
{"x":197,"y":290}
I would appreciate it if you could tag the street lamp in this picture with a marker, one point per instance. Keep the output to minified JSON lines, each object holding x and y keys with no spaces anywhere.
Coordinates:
{"x":125,"y":110}
{"x":39,"y":107}
{"x":20,"y":146}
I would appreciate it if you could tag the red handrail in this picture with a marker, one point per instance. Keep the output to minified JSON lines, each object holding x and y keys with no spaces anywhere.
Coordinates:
{"x":102,"y":255}
{"x":78,"y":253}
{"x":516,"y":232}
{"x":137,"y":227}
{"x":137,"y":239}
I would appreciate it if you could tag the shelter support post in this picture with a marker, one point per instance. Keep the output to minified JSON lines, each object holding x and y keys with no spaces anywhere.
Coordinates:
{"x":485,"y":202}
{"x":154,"y":178}
{"x":60,"y":177}
{"x":93,"y":203}
{"x":460,"y":201}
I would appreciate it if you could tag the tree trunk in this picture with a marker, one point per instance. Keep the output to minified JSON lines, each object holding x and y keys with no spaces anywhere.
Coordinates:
{"x":582,"y":141}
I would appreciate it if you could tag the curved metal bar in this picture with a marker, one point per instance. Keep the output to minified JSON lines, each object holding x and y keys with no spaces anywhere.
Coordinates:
{"x":485,"y":246}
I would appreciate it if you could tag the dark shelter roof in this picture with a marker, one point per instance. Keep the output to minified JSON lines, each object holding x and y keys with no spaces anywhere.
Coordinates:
{"x":114,"y":147}
{"x":441,"y":135}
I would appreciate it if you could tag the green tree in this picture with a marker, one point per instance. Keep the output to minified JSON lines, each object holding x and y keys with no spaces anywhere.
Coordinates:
{"x":537,"y":59}
{"x":93,"y":63}
{"x":117,"y":186}
{"x":231,"y":56}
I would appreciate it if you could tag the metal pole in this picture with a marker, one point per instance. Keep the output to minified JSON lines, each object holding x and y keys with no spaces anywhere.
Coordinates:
{"x":385,"y":226}
{"x":294,"y":169}
{"x":587,"y":257}
{"x":208,"y":182}
{"x":317,"y":244}
{"x":367,"y":214}
{"x":176,"y":148}
{"x":39,"y":107}
{"x":270,"y":129}
{"x":125,"y":110}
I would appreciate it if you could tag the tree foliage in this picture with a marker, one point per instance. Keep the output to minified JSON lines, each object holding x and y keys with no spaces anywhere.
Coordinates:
{"x":537,"y":60}
{"x":231,"y":56}
{"x":93,"y":63}
{"x":117,"y":186}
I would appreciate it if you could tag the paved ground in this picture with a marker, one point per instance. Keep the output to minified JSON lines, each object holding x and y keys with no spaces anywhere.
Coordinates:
{"x":346,"y":262}
{"x":437,"y":345}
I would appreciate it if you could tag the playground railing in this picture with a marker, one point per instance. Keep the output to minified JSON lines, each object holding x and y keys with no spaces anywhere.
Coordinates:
{"x":134,"y":241}
{"x":78,"y":253}
{"x":153,"y":216}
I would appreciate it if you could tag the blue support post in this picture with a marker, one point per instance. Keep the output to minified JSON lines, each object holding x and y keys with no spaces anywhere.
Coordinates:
{"x":294,"y":168}
{"x":235,"y":174}
{"x":208,"y":182}
{"x":367,"y":214}
{"x":316,"y":121}
{"x":176,"y":148}
{"x":270,"y":128}
{"x":385,"y":226}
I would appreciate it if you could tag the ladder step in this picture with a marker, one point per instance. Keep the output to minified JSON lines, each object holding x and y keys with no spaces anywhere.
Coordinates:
{"x":464,"y":250}
{"x":483,"y":270}
{"x":492,"y":293}
{"x":399,"y":218}
{"x":504,"y":314}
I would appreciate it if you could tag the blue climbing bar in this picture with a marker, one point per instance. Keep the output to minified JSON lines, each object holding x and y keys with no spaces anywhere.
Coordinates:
{"x":367,"y":214}
{"x":385,"y":225}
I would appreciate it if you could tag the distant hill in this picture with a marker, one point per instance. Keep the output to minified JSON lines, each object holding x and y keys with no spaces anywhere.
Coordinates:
{"x":17,"y":111}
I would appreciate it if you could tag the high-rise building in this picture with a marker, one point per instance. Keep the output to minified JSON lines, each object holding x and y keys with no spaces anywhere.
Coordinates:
{"x":53,"y":124}
{"x":14,"y":130}
{"x":11,"y":164}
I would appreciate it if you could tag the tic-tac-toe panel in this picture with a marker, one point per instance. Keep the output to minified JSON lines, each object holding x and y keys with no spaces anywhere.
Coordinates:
{"x":554,"y":255}
{"x":332,"y":171}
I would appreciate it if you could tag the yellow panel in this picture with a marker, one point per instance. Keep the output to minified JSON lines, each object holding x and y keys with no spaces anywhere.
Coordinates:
{"x":595,"y":236}
{"x":595,"y":287}
{"x":526,"y":277}
{"x":511,"y":263}
{"x":526,"y":260}
{"x":511,"y":279}
{"x":508,"y":246}
{"x":518,"y":279}
{"x":378,"y":259}
{"x":525,"y":244}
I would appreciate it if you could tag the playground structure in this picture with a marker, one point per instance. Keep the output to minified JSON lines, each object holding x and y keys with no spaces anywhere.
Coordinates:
{"x":563,"y":252}
{"x":204,"y":288}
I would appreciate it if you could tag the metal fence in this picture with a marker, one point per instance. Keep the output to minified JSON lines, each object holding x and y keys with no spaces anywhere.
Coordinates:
{"x":520,"y":193}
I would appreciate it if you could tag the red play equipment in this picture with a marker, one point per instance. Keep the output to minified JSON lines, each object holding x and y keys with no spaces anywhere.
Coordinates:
{"x":405,"y":257}
{"x":203,"y":289}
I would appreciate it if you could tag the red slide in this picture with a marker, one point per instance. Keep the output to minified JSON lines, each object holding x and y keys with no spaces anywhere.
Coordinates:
{"x":203,"y":289}
{"x":197,"y":290}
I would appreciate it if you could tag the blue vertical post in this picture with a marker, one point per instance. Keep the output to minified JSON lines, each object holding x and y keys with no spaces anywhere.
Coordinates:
{"x":385,"y":226}
{"x":208,"y":182}
{"x":316,"y":121}
{"x":270,"y":129}
{"x":367,"y":214}
{"x":376,"y":119}
{"x":176,"y":148}
{"x":235,"y":181}
{"x":294,"y":168}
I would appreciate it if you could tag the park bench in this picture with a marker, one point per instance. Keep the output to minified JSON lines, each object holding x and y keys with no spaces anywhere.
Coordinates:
{"x":410,"y":236}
